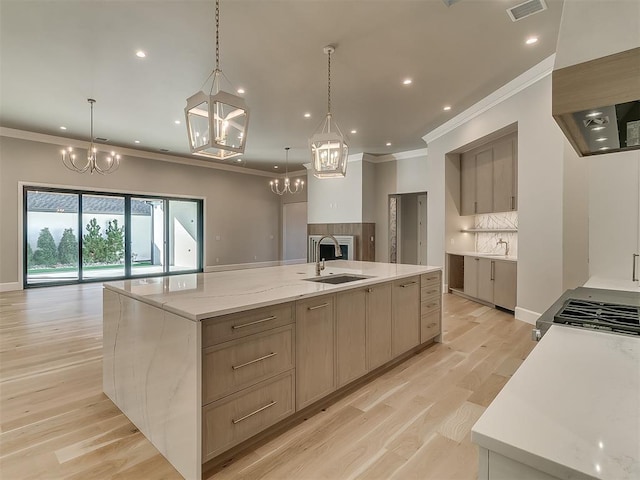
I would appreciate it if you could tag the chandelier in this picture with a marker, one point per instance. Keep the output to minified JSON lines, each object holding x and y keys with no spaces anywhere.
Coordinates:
{"x":276,"y":188}
{"x":329,"y":149}
{"x":93,"y":162}
{"x":217,"y":122}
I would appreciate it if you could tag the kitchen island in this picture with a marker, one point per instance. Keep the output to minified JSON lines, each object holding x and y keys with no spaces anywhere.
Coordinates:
{"x":571,"y":411}
{"x":202,"y":363}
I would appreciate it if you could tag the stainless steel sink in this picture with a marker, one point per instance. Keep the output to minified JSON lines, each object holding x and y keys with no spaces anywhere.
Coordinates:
{"x":337,"y":279}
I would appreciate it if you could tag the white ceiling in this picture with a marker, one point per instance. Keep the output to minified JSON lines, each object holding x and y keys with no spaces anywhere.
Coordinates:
{"x":57,"y":53}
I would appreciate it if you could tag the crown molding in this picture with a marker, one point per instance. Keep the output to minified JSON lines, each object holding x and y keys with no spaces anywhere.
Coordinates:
{"x":528,"y":78}
{"x":392,"y":157}
{"x":129,"y":152}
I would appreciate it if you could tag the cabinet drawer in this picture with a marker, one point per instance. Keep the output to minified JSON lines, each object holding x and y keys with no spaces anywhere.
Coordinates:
{"x":237,"y":325}
{"x":430,"y":304}
{"x":240,"y":416}
{"x":242,"y":363}
{"x":429,"y":326}
{"x":429,"y":280}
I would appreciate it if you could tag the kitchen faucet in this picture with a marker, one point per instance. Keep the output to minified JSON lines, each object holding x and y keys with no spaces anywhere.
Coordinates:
{"x":506,"y":246}
{"x":338,"y":252}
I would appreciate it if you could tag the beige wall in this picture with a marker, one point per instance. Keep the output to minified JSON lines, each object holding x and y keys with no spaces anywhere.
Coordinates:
{"x":384,"y":185}
{"x":239,"y":208}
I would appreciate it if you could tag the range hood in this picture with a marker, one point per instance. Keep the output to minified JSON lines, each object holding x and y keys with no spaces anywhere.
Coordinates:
{"x":596,"y":78}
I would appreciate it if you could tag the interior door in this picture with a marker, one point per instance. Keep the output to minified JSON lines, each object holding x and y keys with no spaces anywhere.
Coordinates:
{"x":294,"y":231}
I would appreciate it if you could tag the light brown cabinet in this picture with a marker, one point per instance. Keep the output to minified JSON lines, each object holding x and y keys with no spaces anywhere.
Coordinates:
{"x":315,"y":349}
{"x":490,"y":280}
{"x":351,"y":335}
{"x":430,"y":305}
{"x":405,"y":301}
{"x":379,"y":325}
{"x":488,"y":177}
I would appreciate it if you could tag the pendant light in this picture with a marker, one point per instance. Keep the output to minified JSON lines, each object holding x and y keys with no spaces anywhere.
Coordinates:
{"x":217,"y":122}
{"x":298,"y":186}
{"x":95,"y":161}
{"x":329,"y":149}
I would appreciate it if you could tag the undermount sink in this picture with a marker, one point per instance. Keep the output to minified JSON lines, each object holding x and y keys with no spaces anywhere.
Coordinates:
{"x":337,"y":279}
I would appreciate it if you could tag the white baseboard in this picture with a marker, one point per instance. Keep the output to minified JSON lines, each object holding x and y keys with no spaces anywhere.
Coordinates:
{"x":244,"y":266}
{"x":526,"y":315}
{"x":10,"y":286}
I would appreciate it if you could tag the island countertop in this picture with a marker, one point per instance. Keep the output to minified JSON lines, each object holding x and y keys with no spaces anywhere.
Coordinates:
{"x":199,"y":296}
{"x":572,"y":410}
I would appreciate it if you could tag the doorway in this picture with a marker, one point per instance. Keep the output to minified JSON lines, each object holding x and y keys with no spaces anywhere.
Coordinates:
{"x":408,"y":228}
{"x":294,"y":232}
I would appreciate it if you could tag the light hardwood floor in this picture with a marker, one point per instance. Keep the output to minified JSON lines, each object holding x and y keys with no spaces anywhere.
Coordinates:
{"x":413,"y":422}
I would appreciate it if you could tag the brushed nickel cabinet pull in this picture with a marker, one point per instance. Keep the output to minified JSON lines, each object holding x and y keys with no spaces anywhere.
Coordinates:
{"x":318,"y":306}
{"x":369,"y":290}
{"x":634,"y":278}
{"x":475,"y":207}
{"x":272,"y":354}
{"x":493,"y":270}
{"x":513,"y":203}
{"x":235,"y":327}
{"x":270,"y":404}
{"x":429,"y":292}
{"x":405,"y":285}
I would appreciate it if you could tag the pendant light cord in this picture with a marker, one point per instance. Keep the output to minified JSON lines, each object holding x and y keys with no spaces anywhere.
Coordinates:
{"x":329,"y":84}
{"x":217,"y":34}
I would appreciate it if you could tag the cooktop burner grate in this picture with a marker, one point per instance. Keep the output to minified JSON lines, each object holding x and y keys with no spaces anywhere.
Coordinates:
{"x":600,"y":315}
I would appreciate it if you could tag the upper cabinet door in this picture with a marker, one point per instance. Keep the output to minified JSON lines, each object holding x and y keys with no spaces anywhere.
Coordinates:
{"x":484,"y":181}
{"x":467,"y":184}
{"x":504,"y":175}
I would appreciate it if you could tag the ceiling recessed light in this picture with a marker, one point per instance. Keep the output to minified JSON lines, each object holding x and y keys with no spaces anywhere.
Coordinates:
{"x":388,"y":144}
{"x":593,"y":114}
{"x":240,"y":91}
{"x":136,"y":141}
{"x":239,"y":160}
{"x":446,"y":108}
{"x":177,"y":122}
{"x":307,"y":115}
{"x":140,"y":54}
{"x":531,"y":40}
{"x":407,"y":81}
{"x":354,"y":131}
{"x":63,"y":128}
{"x":596,"y":129}
{"x":601,"y":139}
{"x":275,"y":166}
{"x":603,"y":148}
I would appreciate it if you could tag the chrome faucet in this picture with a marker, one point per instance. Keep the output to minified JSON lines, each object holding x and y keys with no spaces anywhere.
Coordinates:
{"x":319,"y":267}
{"x":506,"y":246}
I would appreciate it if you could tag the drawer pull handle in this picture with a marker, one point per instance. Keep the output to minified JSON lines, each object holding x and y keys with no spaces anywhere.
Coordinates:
{"x":271,"y":404}
{"x":318,"y":306}
{"x":235,"y":327}
{"x":431,"y":325}
{"x":429,"y":292}
{"x":405,"y":285}
{"x":272,"y":354}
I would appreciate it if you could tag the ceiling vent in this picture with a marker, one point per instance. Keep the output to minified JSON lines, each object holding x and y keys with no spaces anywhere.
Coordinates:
{"x":448,"y":3}
{"x":164,"y":150}
{"x":101,"y":140}
{"x":526,"y":9}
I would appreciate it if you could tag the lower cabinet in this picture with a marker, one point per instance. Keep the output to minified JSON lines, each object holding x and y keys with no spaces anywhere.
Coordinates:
{"x":235,"y":418}
{"x":379,"y":325}
{"x":505,"y":275}
{"x":315,"y":349}
{"x":491,"y":280}
{"x":405,"y":311}
{"x":351,"y":335}
{"x":430,"y":306}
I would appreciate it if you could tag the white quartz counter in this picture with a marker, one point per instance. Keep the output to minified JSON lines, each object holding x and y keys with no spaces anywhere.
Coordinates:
{"x":572,"y":410}
{"x":203,"y":295}
{"x":493,"y":256}
{"x":612,"y":284}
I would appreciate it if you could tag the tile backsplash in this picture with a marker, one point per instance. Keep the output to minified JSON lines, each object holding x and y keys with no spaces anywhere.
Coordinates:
{"x":487,"y":242}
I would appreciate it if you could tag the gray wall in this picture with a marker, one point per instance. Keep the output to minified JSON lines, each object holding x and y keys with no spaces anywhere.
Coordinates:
{"x":240,"y":209}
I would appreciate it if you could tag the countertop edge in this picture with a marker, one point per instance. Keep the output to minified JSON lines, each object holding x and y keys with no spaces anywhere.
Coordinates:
{"x":501,"y":258}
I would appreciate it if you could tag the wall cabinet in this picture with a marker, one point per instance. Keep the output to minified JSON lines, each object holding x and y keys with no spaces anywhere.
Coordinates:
{"x":405,"y":301}
{"x":488,"y":177}
{"x":489,"y":280}
{"x":315,"y":349}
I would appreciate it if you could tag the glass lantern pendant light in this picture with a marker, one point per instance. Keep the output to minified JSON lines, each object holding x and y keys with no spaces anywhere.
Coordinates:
{"x":276,"y":188}
{"x":93,"y":162}
{"x":329,"y":149}
{"x":217,"y":122}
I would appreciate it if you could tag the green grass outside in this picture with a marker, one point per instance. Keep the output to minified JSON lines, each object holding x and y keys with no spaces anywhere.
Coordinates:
{"x":84,"y":268}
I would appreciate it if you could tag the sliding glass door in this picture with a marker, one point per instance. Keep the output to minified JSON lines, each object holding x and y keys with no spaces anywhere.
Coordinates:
{"x":73,"y":236}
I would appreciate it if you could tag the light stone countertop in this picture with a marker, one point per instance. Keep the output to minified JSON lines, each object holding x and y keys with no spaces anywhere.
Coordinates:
{"x":612,"y":284}
{"x":572,"y":410}
{"x":493,"y":256}
{"x":199,"y":296}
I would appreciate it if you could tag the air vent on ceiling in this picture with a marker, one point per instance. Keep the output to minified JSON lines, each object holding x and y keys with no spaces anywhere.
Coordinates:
{"x":101,"y":140}
{"x":164,"y":150}
{"x":448,"y":3}
{"x":526,"y":9}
